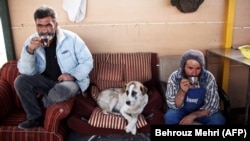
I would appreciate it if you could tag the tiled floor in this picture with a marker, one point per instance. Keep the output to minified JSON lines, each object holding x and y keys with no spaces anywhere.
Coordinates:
{"x":236,"y":118}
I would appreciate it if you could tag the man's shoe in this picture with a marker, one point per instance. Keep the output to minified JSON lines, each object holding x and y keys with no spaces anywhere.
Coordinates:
{"x":31,"y":123}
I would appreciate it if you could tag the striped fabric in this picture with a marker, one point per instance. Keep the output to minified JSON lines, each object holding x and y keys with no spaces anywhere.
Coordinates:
{"x":133,"y":66}
{"x":12,"y":113}
{"x":9,"y":72}
{"x":114,"y":70}
{"x":5,"y":99}
{"x":100,"y":120}
{"x":12,"y":133}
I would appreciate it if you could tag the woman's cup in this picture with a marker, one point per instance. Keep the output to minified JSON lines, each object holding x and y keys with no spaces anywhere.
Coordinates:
{"x":194,"y":81}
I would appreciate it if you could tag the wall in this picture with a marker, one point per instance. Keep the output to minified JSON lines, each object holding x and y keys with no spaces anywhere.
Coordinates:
{"x":143,"y":25}
{"x":131,"y":25}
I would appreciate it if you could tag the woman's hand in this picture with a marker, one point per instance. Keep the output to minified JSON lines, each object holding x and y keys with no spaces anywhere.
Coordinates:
{"x":184,"y":85}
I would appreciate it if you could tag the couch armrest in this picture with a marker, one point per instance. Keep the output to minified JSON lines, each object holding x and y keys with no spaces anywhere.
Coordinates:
{"x":84,"y":106}
{"x":163,"y":87}
{"x":155,"y":102}
{"x":56,"y":113}
{"x":6,"y":103}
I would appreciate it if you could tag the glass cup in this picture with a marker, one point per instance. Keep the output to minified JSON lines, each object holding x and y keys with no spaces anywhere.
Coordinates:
{"x":194,"y":81}
{"x":46,"y":38}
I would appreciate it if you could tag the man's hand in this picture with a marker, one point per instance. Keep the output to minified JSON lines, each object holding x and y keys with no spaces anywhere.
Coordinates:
{"x":34,"y":44}
{"x":184,"y":84}
{"x":66,"y":77}
{"x":187,"y":120}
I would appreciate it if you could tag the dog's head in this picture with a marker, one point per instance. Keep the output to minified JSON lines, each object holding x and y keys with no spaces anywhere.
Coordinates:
{"x":135,"y":91}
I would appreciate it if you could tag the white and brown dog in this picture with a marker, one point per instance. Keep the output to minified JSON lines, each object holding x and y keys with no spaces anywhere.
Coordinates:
{"x":128,"y":101}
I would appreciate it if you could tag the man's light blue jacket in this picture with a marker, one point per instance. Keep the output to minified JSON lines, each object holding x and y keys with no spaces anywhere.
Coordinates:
{"x":72,"y":54}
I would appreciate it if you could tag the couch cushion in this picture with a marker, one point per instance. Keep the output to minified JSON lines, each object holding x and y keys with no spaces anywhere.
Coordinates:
{"x":138,"y":67}
{"x":112,"y":72}
{"x":98,"y":119}
{"x":114,"y":68}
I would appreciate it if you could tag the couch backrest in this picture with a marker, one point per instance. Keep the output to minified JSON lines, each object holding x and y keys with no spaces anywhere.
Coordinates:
{"x":116,"y":69}
{"x":110,"y":70}
{"x":9,"y":73}
{"x":167,"y":65}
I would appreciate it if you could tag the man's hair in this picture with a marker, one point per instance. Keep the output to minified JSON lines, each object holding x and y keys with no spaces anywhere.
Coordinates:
{"x":45,"y":11}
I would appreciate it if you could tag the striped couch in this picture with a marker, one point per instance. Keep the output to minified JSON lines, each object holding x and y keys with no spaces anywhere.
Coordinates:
{"x":115,"y":70}
{"x":12,"y":113}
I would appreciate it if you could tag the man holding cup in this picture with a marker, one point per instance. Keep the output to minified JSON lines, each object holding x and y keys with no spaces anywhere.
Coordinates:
{"x":54,"y":63}
{"x":192,"y":94}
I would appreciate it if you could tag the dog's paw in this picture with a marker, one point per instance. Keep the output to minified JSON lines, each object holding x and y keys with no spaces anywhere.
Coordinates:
{"x":129,"y":128}
{"x":104,"y":112}
{"x":133,"y":131}
{"x":116,"y":113}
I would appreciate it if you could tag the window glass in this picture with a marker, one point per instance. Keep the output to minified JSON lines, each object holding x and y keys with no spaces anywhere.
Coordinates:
{"x":3,"y":56}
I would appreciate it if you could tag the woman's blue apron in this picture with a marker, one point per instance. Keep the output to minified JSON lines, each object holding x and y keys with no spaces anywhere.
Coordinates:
{"x":194,"y":99}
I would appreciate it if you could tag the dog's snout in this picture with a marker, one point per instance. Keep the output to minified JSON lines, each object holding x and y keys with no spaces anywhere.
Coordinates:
{"x":128,"y":102}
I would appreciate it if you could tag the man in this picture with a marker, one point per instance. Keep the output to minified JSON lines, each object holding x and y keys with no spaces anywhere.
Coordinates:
{"x":190,"y":103}
{"x":56,"y":67}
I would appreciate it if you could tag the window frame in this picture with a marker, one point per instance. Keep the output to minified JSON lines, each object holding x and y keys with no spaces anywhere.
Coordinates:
{"x":7,"y":31}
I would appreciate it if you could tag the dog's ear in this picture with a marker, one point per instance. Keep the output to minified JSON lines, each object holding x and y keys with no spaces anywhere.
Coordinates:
{"x":144,"y":89}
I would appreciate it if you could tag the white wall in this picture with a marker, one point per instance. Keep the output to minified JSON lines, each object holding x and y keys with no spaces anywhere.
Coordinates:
{"x":137,"y":25}
{"x":146,"y":25}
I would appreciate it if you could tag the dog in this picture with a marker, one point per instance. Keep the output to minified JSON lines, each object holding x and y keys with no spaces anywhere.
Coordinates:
{"x":128,"y":101}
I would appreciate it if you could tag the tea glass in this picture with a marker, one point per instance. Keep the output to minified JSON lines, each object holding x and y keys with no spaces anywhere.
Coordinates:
{"x":46,"y":38}
{"x":194,"y":81}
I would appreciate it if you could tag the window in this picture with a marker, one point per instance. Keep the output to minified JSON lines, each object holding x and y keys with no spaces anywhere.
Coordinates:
{"x":3,"y":56}
{"x":7,"y":50}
